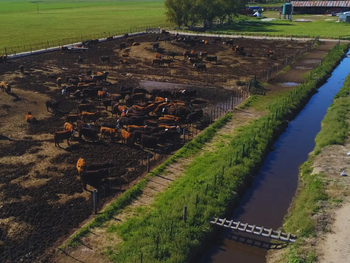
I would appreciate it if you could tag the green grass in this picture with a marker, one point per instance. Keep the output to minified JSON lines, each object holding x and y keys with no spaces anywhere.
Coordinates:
{"x":318,"y":27}
{"x":56,"y":21}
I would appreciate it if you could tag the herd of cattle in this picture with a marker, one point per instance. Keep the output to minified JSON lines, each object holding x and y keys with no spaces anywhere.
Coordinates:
{"x":135,"y":115}
{"x":196,"y":58}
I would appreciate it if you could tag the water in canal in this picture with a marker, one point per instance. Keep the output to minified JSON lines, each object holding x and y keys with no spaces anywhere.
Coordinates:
{"x":267,"y":201}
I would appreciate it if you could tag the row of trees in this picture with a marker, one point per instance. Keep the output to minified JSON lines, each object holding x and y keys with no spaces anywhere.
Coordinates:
{"x":192,"y":12}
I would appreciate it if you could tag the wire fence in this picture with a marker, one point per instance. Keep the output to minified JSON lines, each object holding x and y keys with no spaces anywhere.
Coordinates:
{"x":46,"y":44}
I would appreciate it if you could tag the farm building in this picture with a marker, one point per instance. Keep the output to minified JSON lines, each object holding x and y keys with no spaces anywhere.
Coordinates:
{"x":320,"y":7}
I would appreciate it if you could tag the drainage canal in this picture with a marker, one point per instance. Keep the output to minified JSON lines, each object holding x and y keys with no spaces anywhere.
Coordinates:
{"x":267,"y":201}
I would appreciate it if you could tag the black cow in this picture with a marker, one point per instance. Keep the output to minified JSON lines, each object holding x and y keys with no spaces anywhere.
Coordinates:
{"x":167,"y":61}
{"x":156,"y":62}
{"x":192,"y":55}
{"x":140,"y":90}
{"x":70,"y":89}
{"x":164,"y":93}
{"x":217,"y":40}
{"x":64,"y":49}
{"x":124,"y":121}
{"x":149,"y":141}
{"x":194,"y":116}
{"x":108,"y":125}
{"x":172,"y":54}
{"x":122,"y":45}
{"x":62,"y":135}
{"x":137,"y":134}
{"x":189,"y":93}
{"x":85,"y":107}
{"x":108,"y":103}
{"x":97,"y":166}
{"x":90,"y":92}
{"x":52,"y":104}
{"x":166,"y":33}
{"x":155,"y":46}
{"x":212,"y":58}
{"x":102,"y":77}
{"x":93,"y":177}
{"x":200,"y":67}
{"x":229,"y":42}
{"x":104,"y":58}
{"x":88,"y":133}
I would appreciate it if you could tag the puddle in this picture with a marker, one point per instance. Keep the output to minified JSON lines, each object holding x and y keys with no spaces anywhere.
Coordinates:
{"x":290,"y":84}
{"x":303,"y":68}
{"x":312,"y":61}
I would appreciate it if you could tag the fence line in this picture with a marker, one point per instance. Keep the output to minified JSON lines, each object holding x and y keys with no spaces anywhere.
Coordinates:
{"x":46,"y":44}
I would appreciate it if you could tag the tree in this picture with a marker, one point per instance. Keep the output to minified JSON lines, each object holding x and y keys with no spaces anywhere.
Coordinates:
{"x":190,"y":12}
{"x":174,"y":11}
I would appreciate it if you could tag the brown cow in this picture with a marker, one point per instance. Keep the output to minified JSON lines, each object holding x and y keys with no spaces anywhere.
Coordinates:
{"x":107,"y":131}
{"x":102,"y":94}
{"x":126,"y":137}
{"x":91,"y":116}
{"x":131,"y":128}
{"x":30,"y":118}
{"x":80,"y":165}
{"x":68,"y":127}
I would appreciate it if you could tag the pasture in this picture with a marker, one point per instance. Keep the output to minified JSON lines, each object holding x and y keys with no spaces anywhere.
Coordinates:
{"x":323,"y":26}
{"x":62,"y":22}
{"x":42,"y":198}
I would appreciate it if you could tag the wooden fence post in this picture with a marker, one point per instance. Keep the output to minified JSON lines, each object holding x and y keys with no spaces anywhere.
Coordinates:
{"x":94,"y":199}
{"x":243,"y":145}
{"x":148,"y":162}
{"x":185,"y":214}
{"x":206,"y":190}
{"x":184,"y":135}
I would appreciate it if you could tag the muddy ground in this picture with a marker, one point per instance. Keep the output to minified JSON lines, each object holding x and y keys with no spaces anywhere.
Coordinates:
{"x":41,"y":198}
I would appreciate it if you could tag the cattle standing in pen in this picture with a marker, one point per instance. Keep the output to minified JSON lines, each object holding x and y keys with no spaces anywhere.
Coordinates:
{"x":200,"y":67}
{"x":30,"y":118}
{"x":52,"y":104}
{"x":62,"y":135}
{"x":93,"y":177}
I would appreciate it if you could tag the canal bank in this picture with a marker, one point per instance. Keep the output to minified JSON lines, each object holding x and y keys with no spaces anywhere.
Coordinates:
{"x":267,"y":201}
{"x":322,"y":202}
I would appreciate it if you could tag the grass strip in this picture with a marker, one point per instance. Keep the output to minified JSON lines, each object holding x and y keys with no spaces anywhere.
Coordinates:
{"x":210,"y":184}
{"x":311,"y":191}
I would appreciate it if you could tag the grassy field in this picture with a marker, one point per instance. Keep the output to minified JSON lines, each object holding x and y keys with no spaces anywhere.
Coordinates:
{"x":26,"y":25}
{"x":21,"y":24}
{"x":323,"y":26}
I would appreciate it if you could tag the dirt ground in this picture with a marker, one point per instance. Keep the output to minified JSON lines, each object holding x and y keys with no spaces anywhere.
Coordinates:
{"x":41,"y":199}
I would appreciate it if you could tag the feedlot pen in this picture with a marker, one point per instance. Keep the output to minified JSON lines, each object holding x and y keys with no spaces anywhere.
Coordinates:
{"x":41,"y":197}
